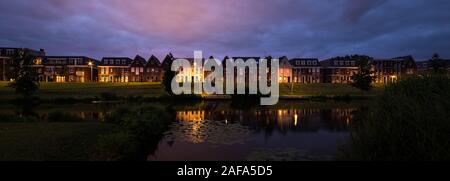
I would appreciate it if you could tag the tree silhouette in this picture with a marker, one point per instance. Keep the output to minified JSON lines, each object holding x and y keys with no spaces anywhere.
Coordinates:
{"x":26,"y":81}
{"x":363,"y":78}
{"x":437,"y":64}
{"x":168,"y":74}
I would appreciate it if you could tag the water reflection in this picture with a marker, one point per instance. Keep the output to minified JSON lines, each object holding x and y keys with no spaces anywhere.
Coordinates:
{"x":215,"y":131}
{"x":268,"y":120}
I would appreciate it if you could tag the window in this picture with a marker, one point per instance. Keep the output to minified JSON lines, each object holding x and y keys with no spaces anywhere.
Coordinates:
{"x":141,"y":69}
{"x":9,"y":52}
{"x":132,"y":69}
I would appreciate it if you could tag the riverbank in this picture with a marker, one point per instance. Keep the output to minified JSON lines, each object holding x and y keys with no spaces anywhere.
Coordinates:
{"x":88,"y":92}
{"x":50,"y":141}
{"x":82,"y":131}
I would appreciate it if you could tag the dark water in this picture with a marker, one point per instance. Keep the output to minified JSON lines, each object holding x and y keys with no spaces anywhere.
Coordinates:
{"x":290,"y":132}
{"x":217,"y":131}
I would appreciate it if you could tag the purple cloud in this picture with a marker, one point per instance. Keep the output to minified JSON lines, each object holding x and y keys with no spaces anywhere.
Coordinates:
{"x":296,"y":28}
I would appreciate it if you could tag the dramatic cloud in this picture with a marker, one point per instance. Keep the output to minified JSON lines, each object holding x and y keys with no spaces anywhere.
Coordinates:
{"x":296,"y":28}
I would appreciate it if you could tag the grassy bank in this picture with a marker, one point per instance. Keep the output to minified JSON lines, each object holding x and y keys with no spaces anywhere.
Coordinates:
{"x":50,"y":141}
{"x":52,"y":91}
{"x":326,"y":90}
{"x":89,"y":91}
{"x":409,"y":121}
{"x":126,"y":134}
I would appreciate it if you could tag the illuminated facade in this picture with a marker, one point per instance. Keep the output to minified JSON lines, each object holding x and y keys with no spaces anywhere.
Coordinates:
{"x":390,"y":70}
{"x":194,"y":73}
{"x":70,"y":69}
{"x":124,"y":69}
{"x":6,"y":62}
{"x":338,"y":70}
{"x":137,"y":69}
{"x":154,"y":71}
{"x":114,"y":69}
{"x":285,"y":70}
{"x":306,"y":70}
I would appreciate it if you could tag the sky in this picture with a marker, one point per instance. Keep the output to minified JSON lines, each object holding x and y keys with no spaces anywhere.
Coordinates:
{"x":295,"y":28}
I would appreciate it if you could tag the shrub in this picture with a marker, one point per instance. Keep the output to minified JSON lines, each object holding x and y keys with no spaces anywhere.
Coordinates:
{"x":140,"y":132}
{"x":106,"y":96}
{"x":409,"y":121}
{"x":114,"y":146}
{"x":59,"y":116}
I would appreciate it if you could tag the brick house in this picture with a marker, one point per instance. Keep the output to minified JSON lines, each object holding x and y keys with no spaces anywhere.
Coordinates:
{"x":6,"y":64}
{"x":390,"y":70}
{"x":154,"y":70}
{"x":114,"y":69}
{"x":339,"y":70}
{"x":137,"y":69}
{"x":306,"y":70}
{"x":70,"y":69}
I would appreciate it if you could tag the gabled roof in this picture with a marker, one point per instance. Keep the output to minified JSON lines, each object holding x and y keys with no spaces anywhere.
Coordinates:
{"x":138,"y":61}
{"x":153,"y":62}
{"x":167,"y":61}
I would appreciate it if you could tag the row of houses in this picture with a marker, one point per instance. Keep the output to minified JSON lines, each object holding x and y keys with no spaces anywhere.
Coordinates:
{"x":139,"y":69}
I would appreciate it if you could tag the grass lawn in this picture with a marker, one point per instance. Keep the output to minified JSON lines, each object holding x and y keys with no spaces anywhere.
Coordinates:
{"x":322,"y":89}
{"x":147,"y":89}
{"x":49,"y":141}
{"x":88,"y":90}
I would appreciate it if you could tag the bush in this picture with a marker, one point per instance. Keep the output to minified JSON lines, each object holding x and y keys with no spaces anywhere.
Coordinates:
{"x":409,"y":121}
{"x":59,"y":116}
{"x":140,"y":132}
{"x":106,"y":96}
{"x":115,"y":146}
{"x":9,"y":118}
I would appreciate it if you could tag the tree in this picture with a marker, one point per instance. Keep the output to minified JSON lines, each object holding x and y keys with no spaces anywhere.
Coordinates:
{"x":363,"y":78}
{"x":437,"y":64}
{"x":26,"y":81}
{"x":168,"y":74}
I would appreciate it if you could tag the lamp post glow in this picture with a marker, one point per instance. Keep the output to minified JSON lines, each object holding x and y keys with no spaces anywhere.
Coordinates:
{"x":90,"y":64}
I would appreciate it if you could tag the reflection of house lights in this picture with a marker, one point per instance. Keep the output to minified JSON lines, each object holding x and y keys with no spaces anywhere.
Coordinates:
{"x":226,"y":121}
{"x":295,"y":119}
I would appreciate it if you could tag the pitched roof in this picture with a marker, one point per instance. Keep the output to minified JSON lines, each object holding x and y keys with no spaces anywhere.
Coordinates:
{"x":153,"y":61}
{"x":167,"y":61}
{"x":138,"y":61}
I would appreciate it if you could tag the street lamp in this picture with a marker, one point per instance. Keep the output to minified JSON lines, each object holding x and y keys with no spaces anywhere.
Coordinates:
{"x":91,"y":65}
